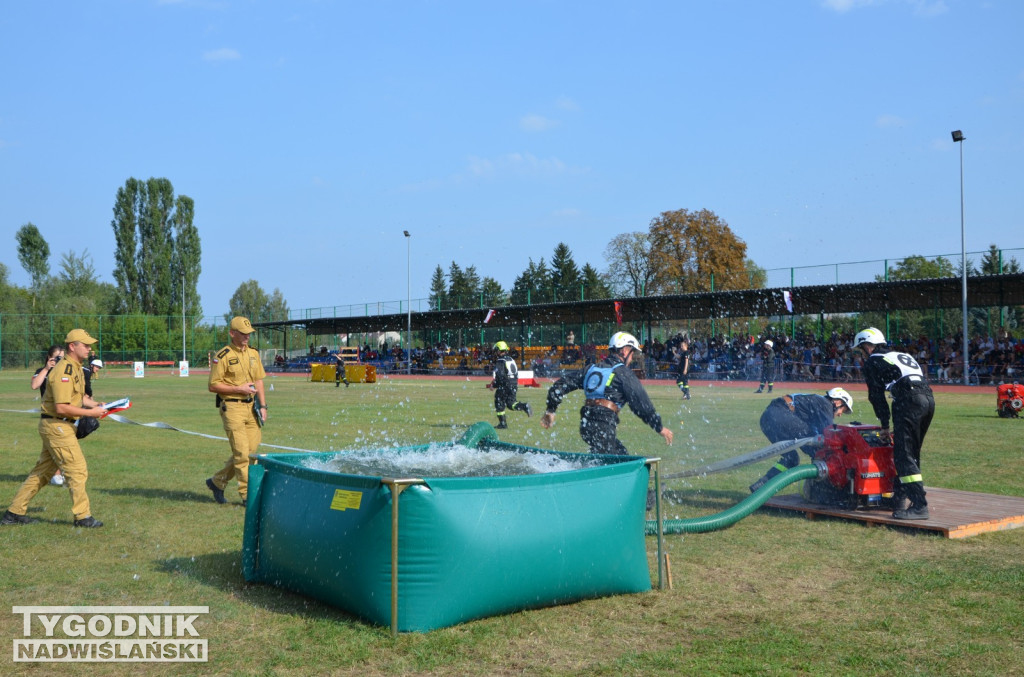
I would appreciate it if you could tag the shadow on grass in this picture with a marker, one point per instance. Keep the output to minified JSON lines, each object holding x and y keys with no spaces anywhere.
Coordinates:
{"x":223,"y":571}
{"x":162,"y":494}
{"x":714,"y":499}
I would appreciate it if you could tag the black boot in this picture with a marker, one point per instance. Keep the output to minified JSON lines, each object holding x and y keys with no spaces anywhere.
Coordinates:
{"x":918,"y":509}
{"x":760,"y":389}
{"x":914,"y":512}
{"x":501,"y":423}
{"x":772,"y":472}
{"x":13,"y":518}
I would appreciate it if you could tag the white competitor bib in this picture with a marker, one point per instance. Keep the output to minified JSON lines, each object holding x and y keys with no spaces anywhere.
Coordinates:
{"x":907,"y":365}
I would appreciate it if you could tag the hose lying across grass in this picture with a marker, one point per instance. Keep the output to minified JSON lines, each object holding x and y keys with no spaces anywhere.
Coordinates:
{"x":729,"y":516}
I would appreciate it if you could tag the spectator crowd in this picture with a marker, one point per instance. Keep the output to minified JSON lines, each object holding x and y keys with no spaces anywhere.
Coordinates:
{"x":803,"y":357}
{"x":992,"y":359}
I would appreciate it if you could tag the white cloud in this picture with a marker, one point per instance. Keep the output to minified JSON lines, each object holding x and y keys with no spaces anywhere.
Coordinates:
{"x":524,"y":163}
{"x":536,"y":123}
{"x":846,"y":5}
{"x":890,"y":121}
{"x":929,"y":8}
{"x":920,"y":7}
{"x":519,"y":164}
{"x":565,"y":103}
{"x":222,"y":54}
{"x":510,"y":165}
{"x":480,"y":166}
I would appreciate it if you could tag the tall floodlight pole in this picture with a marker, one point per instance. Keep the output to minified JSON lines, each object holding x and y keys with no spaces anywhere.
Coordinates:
{"x":183,"y":358}
{"x":958,"y":137}
{"x":408,"y":301}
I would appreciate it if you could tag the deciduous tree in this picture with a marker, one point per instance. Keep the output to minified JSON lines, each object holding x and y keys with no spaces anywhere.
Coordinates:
{"x":692,"y":249}
{"x":33,"y":254}
{"x":249,"y":300}
{"x":920,"y":268}
{"x":187,"y":257}
{"x":631,"y":266}
{"x":156,"y":244}
{"x":126,"y":244}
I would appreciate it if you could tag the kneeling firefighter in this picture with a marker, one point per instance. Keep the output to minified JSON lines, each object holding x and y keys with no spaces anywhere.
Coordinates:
{"x":791,"y":417}
{"x":506,"y":385}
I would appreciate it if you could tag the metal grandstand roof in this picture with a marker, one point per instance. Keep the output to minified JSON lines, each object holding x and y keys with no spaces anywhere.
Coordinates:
{"x":982,"y":291}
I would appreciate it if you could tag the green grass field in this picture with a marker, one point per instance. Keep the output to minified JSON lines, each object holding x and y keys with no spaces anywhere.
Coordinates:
{"x":773,"y":594}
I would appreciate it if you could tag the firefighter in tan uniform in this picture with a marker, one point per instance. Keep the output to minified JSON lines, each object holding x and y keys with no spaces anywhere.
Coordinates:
{"x":237,"y":379}
{"x":63,"y":403}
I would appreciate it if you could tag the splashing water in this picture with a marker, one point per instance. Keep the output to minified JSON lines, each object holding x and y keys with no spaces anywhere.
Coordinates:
{"x":446,"y":460}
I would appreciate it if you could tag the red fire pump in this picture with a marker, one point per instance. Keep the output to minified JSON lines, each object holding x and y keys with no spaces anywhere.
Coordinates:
{"x":855,"y":468}
{"x":1010,"y":400}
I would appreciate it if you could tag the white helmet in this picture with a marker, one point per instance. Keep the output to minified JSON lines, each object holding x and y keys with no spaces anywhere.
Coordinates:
{"x":769,"y":343}
{"x":841,"y":394}
{"x":869,"y":335}
{"x":622,"y":339}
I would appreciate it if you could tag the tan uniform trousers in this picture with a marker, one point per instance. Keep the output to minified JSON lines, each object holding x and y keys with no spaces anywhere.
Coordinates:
{"x":60,"y":450}
{"x":244,"y":436}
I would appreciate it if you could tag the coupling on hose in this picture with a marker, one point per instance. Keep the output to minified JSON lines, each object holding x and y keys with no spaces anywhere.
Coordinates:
{"x":822,"y":467}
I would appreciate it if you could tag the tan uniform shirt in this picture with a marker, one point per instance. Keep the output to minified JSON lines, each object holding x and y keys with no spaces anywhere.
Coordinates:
{"x":236,"y":367}
{"x":65,"y":384}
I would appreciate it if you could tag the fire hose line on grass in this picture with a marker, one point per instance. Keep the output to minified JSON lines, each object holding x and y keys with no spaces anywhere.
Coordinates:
{"x":729,"y":516}
{"x":163,"y":426}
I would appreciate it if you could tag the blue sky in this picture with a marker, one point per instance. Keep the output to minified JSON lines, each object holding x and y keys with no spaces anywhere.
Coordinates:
{"x":312,"y":133}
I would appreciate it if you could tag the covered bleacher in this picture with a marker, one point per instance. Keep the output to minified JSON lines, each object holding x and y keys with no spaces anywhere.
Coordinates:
{"x":517,"y":323}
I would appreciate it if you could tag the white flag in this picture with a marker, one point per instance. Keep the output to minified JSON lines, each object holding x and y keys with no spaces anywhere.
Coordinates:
{"x":490,"y":314}
{"x":787,"y":296}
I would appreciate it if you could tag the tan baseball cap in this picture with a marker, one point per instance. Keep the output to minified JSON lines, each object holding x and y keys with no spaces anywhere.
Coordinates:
{"x":242,"y":324}
{"x":80,"y":336}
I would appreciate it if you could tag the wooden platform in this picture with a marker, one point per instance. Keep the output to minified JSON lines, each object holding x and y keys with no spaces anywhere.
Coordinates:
{"x":954,"y":514}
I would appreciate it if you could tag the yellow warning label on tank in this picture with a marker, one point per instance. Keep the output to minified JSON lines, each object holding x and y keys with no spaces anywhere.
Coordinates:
{"x":343,"y":500}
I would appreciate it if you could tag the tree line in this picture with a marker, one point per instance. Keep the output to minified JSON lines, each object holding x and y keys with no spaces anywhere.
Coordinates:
{"x":950,"y":321}
{"x":158,"y":260}
{"x":681,"y":252}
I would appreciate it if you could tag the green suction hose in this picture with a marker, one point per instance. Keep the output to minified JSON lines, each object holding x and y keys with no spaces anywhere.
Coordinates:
{"x":477,"y":433}
{"x":729,"y":516}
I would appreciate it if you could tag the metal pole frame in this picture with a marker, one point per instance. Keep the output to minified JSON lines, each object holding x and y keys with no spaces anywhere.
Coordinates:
{"x":652,"y":465}
{"x":397,"y":486}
